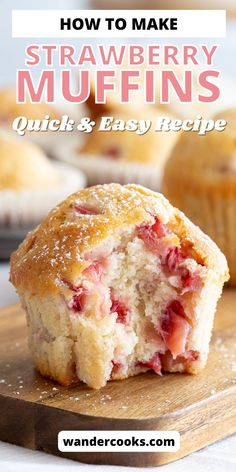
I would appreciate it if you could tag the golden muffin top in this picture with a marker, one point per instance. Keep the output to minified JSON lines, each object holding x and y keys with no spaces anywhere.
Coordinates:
{"x":207,"y":161}
{"x":153,"y":147}
{"x":24,"y":165}
{"x":82,"y":227}
{"x":228,"y":114}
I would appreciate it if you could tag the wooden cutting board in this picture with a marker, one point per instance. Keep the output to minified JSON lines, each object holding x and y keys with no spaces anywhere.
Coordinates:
{"x":202,"y":408}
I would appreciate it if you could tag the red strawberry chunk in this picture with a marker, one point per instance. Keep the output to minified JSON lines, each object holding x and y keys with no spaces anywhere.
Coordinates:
{"x":71,"y":285}
{"x":77,"y":303}
{"x":116,"y":366}
{"x":85,"y":210}
{"x":187,"y":358}
{"x":175,"y":328}
{"x":154,"y":363}
{"x":148,"y":236}
{"x":113,"y":151}
{"x":191,"y":282}
{"x":95,"y":271}
{"x":159,"y":228}
{"x":172,"y":260}
{"x":172,"y":263}
{"x":121,"y":310}
{"x":177,"y":307}
{"x":151,"y":234}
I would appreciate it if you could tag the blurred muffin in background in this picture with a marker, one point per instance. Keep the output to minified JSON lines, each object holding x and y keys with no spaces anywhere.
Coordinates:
{"x":175,"y":107}
{"x":112,"y":99}
{"x":23,"y":165}
{"x":9,"y":110}
{"x":123,"y":156}
{"x":30,"y":184}
{"x":200,"y":179}
{"x":228,"y":114}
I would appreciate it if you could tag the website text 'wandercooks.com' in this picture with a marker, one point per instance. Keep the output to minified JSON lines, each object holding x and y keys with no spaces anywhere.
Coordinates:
{"x":118,"y":441}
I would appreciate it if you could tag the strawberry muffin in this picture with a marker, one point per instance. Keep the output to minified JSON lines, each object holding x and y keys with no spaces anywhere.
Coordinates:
{"x":174,"y":107}
{"x":122,"y":156}
{"x":205,"y":188}
{"x":10,"y":109}
{"x":31,"y":184}
{"x":115,"y":282}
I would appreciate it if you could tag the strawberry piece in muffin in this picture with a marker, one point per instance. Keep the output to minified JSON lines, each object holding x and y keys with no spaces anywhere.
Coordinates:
{"x":123,"y":314}
{"x":175,"y":328}
{"x":78,"y":301}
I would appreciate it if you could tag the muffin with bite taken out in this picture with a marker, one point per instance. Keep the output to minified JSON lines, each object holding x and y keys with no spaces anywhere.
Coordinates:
{"x":115,"y":282}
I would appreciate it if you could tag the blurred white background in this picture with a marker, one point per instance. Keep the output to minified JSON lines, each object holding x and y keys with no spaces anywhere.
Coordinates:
{"x":12,"y":50}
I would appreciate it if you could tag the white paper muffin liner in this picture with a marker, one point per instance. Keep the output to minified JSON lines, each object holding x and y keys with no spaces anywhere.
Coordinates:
{"x":100,"y":170}
{"x":26,"y":208}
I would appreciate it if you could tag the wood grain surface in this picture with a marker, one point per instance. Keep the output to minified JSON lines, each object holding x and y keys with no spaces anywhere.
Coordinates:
{"x":202,"y":408}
